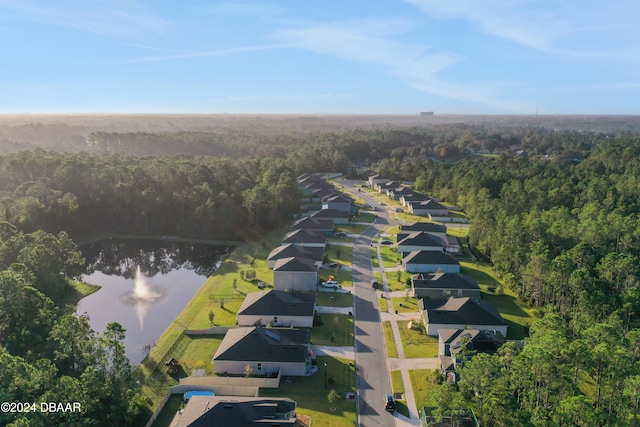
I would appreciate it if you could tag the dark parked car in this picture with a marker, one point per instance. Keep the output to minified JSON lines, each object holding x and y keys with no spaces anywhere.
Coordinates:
{"x":389,"y":403}
{"x":340,"y":234}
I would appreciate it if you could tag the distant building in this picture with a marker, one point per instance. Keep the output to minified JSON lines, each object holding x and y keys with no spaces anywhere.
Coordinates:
{"x":426,"y":113}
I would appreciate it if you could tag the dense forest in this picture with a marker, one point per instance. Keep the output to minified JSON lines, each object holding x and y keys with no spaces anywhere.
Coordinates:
{"x":555,"y":211}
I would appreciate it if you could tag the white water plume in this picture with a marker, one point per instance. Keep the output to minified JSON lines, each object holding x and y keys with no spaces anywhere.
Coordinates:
{"x":142,"y":295}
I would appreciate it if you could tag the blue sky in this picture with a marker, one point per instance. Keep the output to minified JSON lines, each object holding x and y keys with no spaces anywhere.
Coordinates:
{"x":310,"y":57}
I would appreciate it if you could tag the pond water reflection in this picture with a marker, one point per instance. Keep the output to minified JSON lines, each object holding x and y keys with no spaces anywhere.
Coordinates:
{"x":145,"y":304}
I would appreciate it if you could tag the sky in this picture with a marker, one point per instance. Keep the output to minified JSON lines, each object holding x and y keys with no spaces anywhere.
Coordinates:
{"x":320,"y":57}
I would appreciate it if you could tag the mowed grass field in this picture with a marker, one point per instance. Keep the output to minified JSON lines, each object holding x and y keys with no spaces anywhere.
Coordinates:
{"x":518,"y":316}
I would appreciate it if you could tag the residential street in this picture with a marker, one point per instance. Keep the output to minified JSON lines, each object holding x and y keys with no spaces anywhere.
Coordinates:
{"x":373,"y":381}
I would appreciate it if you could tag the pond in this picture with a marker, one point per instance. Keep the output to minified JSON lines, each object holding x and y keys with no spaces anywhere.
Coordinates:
{"x":145,"y":285}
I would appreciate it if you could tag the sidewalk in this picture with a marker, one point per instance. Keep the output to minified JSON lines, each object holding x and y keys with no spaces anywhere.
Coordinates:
{"x":401,"y":362}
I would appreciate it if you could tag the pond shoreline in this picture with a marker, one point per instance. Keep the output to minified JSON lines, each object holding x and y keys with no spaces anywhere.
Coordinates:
{"x":163,"y":238}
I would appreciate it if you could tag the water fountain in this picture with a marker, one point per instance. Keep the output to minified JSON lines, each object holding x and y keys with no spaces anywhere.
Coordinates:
{"x":142,"y":295}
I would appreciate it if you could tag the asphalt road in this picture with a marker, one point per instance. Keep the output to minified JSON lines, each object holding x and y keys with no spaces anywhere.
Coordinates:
{"x":372,"y":375}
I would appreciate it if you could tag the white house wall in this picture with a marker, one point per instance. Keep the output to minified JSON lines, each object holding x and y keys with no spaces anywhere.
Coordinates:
{"x":238,"y":367}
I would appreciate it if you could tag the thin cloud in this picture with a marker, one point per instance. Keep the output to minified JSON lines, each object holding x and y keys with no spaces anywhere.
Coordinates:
{"x":522,"y":21}
{"x":377,"y":44}
{"x":122,"y":18}
{"x":207,"y":53}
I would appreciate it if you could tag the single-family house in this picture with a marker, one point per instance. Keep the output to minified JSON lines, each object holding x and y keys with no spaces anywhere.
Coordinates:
{"x":279,"y":308}
{"x":420,"y":241}
{"x":236,"y":411}
{"x":295,"y":251}
{"x":413,"y":197}
{"x":428,"y":227}
{"x":396,"y":193}
{"x":428,"y":208}
{"x":338,"y":202}
{"x":439,"y":285}
{"x":376,"y":179}
{"x":430,"y":262}
{"x":460,"y":313}
{"x":338,"y":217}
{"x":389,"y":185}
{"x":263,"y":351}
{"x":295,"y":274}
{"x":456,"y":345}
{"x":322,"y":226}
{"x":305,"y":238}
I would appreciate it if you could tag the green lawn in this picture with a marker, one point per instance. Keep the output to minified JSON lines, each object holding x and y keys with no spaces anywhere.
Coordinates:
{"x":311,"y":395}
{"x":518,"y":316}
{"x":200,"y":351}
{"x":351,"y":228}
{"x":409,"y":305}
{"x":364,"y":217}
{"x":461,"y":231}
{"x":416,"y":343}
{"x":384,"y":306}
{"x":397,"y":385}
{"x":338,"y":326}
{"x":389,"y":341}
{"x":374,"y":257}
{"x":173,"y":405}
{"x":339,"y":254}
{"x":343,"y":277}
{"x":75,"y":292}
{"x":421,"y":387}
{"x":334,"y":299}
{"x":390,"y":256}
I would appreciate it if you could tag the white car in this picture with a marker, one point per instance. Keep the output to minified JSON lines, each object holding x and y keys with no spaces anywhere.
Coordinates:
{"x":330,"y":284}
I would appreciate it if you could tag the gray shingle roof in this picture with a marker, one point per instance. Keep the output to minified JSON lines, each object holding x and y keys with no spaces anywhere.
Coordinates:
{"x":295,"y":264}
{"x":429,"y":257}
{"x":264,"y":345}
{"x":291,"y":250}
{"x":443,"y":281}
{"x":303,"y":236}
{"x":429,"y":227}
{"x":420,"y":238}
{"x":278,"y":303}
{"x":236,"y":411}
{"x":461,"y":311}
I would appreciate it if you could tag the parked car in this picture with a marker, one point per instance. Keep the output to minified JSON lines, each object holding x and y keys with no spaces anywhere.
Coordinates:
{"x":333,"y":264}
{"x":330,"y":284}
{"x":389,"y":403}
{"x":374,"y":283}
{"x":340,"y":234}
{"x":366,"y":205}
{"x":386,"y":242}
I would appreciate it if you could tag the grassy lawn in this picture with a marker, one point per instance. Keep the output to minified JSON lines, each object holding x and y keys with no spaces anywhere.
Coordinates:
{"x":169,"y":410}
{"x":389,"y":341}
{"x":458,"y":230}
{"x":518,"y":316}
{"x":339,"y":299}
{"x":351,"y":228}
{"x":341,"y":276}
{"x":384,"y":306}
{"x":199,"y":351}
{"x":339,"y":324}
{"x":421,"y":387}
{"x":397,"y":385}
{"x":390,"y":256}
{"x":374,"y":257}
{"x":409,"y":305}
{"x":75,"y":292}
{"x":339,"y":254}
{"x":417,"y":343}
{"x":364,"y":217}
{"x":249,"y":258}
{"x":341,"y":239}
{"x":311,"y":396}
